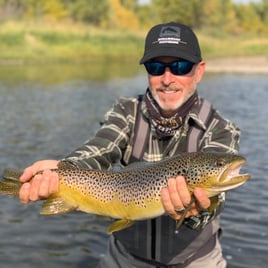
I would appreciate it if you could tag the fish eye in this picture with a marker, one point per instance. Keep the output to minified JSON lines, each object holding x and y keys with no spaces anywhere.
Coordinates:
{"x":220,"y":163}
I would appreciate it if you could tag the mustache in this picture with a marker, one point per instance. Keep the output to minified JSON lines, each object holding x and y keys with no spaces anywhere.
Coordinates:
{"x":168,"y":88}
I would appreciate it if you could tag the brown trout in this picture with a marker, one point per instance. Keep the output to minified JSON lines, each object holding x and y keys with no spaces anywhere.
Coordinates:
{"x":133,"y":193}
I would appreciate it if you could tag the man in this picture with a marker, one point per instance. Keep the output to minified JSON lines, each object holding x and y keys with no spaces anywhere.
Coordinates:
{"x":168,"y":119}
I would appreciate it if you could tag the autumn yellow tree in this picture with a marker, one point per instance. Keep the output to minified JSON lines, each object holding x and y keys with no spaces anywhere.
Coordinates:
{"x":49,"y":10}
{"x":249,"y":21}
{"x":187,"y":12}
{"x":122,"y":17}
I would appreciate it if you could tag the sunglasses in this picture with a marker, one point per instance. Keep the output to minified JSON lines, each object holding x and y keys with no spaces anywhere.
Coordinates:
{"x":180,"y":67}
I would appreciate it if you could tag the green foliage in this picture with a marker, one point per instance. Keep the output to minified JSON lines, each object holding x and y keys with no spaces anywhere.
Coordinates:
{"x":219,"y":15}
{"x":249,"y":19}
{"x":187,"y":12}
{"x":216,"y":15}
{"x":83,"y":30}
{"x":23,"y":44}
{"x":13,"y":39}
{"x":89,"y":11}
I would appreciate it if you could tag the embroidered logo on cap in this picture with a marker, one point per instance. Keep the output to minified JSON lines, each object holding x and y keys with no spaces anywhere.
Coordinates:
{"x":170,"y":35}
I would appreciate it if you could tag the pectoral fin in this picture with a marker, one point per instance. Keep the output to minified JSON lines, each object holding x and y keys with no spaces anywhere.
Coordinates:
{"x":55,"y":205}
{"x":187,"y":209}
{"x":214,"y":203}
{"x":119,"y":225}
{"x":180,"y":221}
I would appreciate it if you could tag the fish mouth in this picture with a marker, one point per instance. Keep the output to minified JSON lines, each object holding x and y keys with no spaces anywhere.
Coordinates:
{"x":231,"y":177}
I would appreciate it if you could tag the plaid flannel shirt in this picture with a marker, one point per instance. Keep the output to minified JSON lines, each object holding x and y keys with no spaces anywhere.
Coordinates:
{"x":113,"y":142}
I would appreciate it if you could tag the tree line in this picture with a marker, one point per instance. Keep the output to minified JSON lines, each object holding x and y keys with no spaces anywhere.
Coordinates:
{"x":215,"y":15}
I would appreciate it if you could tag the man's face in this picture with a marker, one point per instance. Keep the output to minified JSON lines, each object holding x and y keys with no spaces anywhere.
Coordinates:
{"x":171,"y":91}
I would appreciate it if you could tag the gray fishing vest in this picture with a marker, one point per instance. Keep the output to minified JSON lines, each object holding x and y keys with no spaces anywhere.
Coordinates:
{"x":157,"y":241}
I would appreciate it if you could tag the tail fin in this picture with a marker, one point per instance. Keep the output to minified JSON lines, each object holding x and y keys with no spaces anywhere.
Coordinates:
{"x":10,"y":184}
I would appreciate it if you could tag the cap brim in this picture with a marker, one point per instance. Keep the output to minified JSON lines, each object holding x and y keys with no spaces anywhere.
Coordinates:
{"x":169,"y":52}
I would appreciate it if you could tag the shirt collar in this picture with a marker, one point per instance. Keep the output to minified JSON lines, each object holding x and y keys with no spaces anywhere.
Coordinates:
{"x":193,"y":114}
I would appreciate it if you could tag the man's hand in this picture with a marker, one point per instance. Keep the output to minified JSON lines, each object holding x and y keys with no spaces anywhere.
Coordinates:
{"x":41,"y":185}
{"x":177,"y":197}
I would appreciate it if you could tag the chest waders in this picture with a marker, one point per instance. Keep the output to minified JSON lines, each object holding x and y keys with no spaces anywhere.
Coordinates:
{"x":156,"y":241}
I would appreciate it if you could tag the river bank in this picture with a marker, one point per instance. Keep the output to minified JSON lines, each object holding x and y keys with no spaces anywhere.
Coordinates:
{"x":22,"y":44}
{"x":249,"y":64}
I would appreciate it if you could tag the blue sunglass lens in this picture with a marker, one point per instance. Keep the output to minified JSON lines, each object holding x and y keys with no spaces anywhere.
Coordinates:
{"x":181,"y":67}
{"x":155,"y":68}
{"x":176,"y":67}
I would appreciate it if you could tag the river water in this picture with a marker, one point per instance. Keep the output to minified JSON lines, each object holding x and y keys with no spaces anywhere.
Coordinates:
{"x":47,"y":111}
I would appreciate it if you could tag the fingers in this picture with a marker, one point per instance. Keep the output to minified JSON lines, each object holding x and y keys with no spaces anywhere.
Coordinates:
{"x":182,"y":190}
{"x":40,"y":187}
{"x":174,"y":193}
{"x":176,"y":196}
{"x":27,"y":174}
{"x":24,"y":192}
{"x":35,"y":187}
{"x":54,"y":183}
{"x":167,"y":203}
{"x":202,"y":201}
{"x":30,"y":171}
{"x":48,"y":184}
